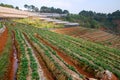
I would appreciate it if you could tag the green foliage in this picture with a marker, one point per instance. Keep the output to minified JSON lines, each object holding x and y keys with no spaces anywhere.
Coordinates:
{"x":72,"y":68}
{"x":100,"y":56}
{"x":1,"y":25}
{"x":31,"y":8}
{"x":38,"y":23}
{"x":95,"y":20}
{"x":93,"y":55}
{"x":23,"y":67}
{"x":33,"y":65}
{"x":6,"y":5}
{"x":114,"y":16}
{"x":17,"y":7}
{"x":5,"y":57}
{"x":45,"y":9}
{"x":70,"y":78}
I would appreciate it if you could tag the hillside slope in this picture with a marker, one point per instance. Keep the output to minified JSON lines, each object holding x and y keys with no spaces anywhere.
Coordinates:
{"x":94,"y":35}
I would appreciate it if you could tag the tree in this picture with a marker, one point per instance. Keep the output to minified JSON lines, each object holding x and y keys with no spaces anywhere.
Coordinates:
{"x":43,"y":9}
{"x":17,"y":7}
{"x":52,"y":10}
{"x":115,"y":15}
{"x":65,"y":12}
{"x":1,"y":4}
{"x":58,"y":10}
{"x":32,"y":7}
{"x":87,"y":13}
{"x":36,"y":9}
{"x":25,"y":6}
{"x":7,"y":5}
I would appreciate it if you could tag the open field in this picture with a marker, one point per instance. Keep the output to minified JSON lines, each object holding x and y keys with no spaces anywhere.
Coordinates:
{"x":93,"y":35}
{"x":36,"y":22}
{"x":34,"y":53}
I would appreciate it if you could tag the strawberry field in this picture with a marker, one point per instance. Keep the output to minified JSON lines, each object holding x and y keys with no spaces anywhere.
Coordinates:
{"x":45,"y":55}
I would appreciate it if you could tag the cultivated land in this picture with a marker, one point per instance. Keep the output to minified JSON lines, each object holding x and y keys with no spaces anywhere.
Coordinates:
{"x":93,"y":35}
{"x":31,"y":52}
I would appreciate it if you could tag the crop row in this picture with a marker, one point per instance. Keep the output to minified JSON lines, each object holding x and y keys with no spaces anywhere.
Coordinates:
{"x":69,"y":53}
{"x":103,"y":56}
{"x":95,"y":56}
{"x":106,"y":62}
{"x":49,"y":53}
{"x":25,"y":50}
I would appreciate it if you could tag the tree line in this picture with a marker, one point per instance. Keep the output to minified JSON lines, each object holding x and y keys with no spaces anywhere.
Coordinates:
{"x":45,"y":9}
{"x":8,"y":5}
{"x":92,"y":19}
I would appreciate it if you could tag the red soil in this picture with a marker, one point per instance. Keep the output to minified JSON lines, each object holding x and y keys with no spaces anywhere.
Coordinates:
{"x":11,"y":67}
{"x":3,"y":39}
{"x":66,"y":58}
{"x":92,"y":35}
{"x":9,"y":74}
{"x":114,"y":77}
{"x":47,"y":73}
{"x":67,"y":30}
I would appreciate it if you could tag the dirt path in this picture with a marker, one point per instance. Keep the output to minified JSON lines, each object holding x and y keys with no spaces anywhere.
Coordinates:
{"x":40,"y":71}
{"x":3,"y":40}
{"x":66,"y":58}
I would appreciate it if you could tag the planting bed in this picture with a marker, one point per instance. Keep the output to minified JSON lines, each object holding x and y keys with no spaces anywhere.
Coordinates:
{"x":39,"y":54}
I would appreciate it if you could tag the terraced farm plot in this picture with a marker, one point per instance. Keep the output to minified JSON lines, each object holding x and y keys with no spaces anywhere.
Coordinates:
{"x":45,"y":55}
{"x":91,"y":35}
